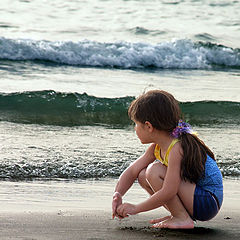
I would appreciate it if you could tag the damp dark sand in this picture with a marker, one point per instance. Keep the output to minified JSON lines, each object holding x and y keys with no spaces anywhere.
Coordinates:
{"x":86,"y":214}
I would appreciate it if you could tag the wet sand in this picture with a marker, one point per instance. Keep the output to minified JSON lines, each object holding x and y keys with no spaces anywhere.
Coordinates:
{"x":91,"y":220}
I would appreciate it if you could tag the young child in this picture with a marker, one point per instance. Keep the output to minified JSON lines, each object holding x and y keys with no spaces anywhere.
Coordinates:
{"x":185,"y":179}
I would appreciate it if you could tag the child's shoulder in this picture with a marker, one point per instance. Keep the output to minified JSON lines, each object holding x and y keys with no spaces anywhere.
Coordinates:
{"x":176,"y":150}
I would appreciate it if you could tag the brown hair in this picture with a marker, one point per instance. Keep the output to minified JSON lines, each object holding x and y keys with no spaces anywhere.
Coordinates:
{"x":162,"y":110}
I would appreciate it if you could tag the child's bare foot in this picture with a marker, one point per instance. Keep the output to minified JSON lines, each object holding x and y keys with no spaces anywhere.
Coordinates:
{"x":158,"y":220}
{"x":175,"y":223}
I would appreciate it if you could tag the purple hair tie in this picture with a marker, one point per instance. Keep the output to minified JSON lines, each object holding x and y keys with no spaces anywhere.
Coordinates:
{"x":182,"y":128}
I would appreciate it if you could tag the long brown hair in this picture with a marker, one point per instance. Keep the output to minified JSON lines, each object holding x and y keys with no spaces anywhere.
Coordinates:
{"x":162,"y":110}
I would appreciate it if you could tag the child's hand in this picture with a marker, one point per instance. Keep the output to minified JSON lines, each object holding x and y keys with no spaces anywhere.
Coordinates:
{"x":126,"y":209}
{"x":116,"y":202}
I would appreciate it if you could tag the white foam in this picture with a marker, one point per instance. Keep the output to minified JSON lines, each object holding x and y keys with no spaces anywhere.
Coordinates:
{"x":180,"y":54}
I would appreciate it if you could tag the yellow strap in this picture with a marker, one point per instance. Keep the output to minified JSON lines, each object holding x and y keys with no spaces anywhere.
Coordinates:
{"x":157,"y":152}
{"x":174,"y":141}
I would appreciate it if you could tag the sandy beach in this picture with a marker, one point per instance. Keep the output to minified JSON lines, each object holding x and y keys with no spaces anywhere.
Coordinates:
{"x":87,"y":215}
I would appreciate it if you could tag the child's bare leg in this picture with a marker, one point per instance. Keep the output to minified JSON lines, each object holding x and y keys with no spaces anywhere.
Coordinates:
{"x":180,"y":205}
{"x":144,"y":183}
{"x":179,"y":219}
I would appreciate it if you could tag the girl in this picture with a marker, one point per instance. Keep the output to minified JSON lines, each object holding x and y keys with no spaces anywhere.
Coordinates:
{"x":185,"y":178}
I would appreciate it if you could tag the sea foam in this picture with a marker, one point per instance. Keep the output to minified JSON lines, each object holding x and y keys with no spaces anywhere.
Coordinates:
{"x":178,"y":54}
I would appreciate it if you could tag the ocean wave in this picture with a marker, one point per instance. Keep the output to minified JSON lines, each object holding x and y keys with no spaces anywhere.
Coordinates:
{"x":74,"y":109}
{"x":64,"y":170}
{"x":178,"y":54}
{"x":78,"y":169}
{"x":145,"y":31}
{"x":66,"y":109}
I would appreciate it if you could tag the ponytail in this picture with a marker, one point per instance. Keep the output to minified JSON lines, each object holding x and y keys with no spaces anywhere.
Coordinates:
{"x":194,"y":157}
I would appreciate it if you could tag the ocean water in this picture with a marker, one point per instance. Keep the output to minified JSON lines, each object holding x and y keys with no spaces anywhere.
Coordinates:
{"x":69,"y":70}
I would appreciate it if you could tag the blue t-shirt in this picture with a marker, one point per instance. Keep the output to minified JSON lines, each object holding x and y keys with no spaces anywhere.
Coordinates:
{"x":212,"y":180}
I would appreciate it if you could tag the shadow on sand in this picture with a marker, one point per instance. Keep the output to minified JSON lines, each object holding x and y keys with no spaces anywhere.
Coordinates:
{"x":196,"y":233}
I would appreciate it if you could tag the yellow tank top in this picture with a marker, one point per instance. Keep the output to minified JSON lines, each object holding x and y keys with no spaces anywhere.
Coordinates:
{"x":158,"y":155}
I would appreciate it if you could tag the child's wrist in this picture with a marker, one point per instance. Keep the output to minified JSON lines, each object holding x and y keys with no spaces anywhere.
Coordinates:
{"x":137,"y":208}
{"x":117,"y":194}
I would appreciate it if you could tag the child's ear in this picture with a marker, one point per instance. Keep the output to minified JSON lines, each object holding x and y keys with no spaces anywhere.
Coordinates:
{"x":149,"y":126}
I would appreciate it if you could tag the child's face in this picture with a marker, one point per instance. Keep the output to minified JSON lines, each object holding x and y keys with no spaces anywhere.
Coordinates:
{"x":142,"y":132}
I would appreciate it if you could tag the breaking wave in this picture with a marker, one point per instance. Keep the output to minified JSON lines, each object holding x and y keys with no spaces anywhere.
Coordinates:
{"x":177,"y":54}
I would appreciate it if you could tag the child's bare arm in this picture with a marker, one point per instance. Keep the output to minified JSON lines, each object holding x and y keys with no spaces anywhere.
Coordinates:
{"x":131,"y":173}
{"x":169,"y":189}
{"x":128,"y":177}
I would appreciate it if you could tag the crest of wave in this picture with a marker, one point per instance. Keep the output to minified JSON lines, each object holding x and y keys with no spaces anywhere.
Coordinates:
{"x":180,"y":54}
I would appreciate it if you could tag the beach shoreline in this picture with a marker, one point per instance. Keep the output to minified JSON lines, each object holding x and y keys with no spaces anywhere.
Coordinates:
{"x":89,"y":217}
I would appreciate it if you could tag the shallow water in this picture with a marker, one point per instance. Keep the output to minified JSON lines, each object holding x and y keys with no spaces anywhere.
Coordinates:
{"x":34,"y":151}
{"x":147,"y":21}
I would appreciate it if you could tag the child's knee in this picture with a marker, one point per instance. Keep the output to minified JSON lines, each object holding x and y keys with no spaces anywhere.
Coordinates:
{"x":155,"y":170}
